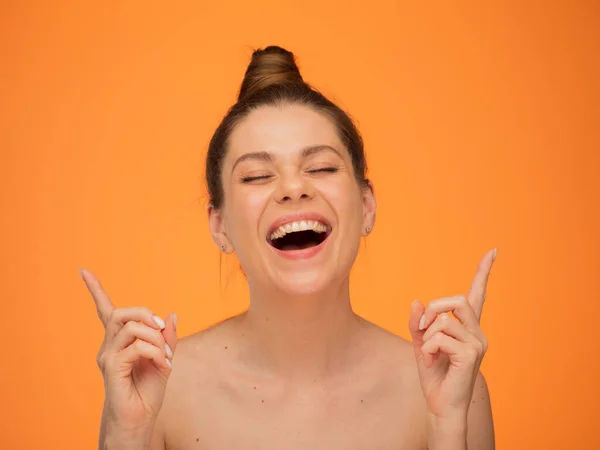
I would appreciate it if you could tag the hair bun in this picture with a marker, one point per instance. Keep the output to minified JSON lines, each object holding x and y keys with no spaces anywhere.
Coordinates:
{"x":269,"y":66}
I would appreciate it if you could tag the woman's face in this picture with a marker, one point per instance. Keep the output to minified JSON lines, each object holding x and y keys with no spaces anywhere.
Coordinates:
{"x":293,"y":211}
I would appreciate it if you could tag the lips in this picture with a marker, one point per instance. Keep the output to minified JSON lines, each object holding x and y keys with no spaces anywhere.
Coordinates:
{"x":290,"y":219}
{"x":299,"y":235}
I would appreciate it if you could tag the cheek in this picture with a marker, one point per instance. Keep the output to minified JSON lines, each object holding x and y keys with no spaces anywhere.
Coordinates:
{"x":346,"y":200}
{"x":245,"y":210}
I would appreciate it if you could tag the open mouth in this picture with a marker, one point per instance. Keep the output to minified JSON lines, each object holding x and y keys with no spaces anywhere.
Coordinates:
{"x":299,"y":235}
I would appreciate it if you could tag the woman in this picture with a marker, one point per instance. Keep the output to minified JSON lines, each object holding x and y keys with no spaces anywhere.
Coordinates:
{"x":299,"y":369}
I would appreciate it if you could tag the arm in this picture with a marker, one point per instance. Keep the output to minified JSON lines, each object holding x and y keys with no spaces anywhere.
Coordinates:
{"x":133,"y":391}
{"x":449,"y":354}
{"x":157,"y":442}
{"x":480,"y":430}
{"x":150,"y":438}
{"x":473,"y":432}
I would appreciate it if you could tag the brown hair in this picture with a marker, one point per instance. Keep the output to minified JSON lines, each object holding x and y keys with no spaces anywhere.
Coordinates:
{"x":272,"y":78}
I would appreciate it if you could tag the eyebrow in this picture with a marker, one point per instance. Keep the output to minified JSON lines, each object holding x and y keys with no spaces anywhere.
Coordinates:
{"x":265,"y":156}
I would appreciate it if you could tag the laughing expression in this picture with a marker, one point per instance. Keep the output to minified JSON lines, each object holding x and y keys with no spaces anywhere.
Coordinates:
{"x":293,"y":211}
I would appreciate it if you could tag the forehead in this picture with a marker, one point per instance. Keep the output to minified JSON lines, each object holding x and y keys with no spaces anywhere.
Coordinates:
{"x":282,"y":130}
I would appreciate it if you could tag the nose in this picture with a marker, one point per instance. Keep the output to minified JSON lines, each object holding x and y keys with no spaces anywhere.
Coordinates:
{"x":293,"y":188}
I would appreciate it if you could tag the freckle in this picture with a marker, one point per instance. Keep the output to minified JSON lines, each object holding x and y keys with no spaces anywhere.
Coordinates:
{"x":473,"y":402}
{"x":262,"y":401}
{"x":362,"y":401}
{"x":225,"y":347}
{"x":197,"y":439}
{"x":254,"y":387}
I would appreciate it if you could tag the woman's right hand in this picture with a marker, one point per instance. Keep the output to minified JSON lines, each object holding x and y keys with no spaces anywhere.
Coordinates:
{"x":135,"y":361}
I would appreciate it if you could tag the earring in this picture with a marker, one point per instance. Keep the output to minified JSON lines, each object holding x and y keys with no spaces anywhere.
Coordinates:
{"x":223,"y":248}
{"x":368,"y":230}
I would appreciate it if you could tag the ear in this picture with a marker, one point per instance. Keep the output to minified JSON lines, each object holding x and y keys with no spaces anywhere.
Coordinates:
{"x":217,"y":229}
{"x":369,"y":207}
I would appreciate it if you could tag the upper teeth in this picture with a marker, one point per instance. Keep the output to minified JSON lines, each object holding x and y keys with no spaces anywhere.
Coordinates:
{"x":302,"y":225}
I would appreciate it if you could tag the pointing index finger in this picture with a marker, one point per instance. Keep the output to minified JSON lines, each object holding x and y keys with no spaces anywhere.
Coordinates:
{"x":477,"y":292}
{"x":104,"y":305}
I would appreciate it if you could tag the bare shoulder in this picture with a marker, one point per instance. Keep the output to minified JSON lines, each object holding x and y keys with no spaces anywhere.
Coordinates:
{"x":195,"y":365}
{"x":206,"y":340}
{"x":392,"y":358}
{"x":202,"y":357}
{"x":200,"y":354}
{"x":398,"y":378}
{"x":379,"y":387}
{"x":392,"y":351}
{"x":404,"y":369}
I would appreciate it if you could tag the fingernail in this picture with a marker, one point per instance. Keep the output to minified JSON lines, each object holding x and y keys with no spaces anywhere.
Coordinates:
{"x":175,"y":320}
{"x":422,"y":322}
{"x":495,"y":253}
{"x":168,"y":351}
{"x":159,"y":322}
{"x":168,"y":363}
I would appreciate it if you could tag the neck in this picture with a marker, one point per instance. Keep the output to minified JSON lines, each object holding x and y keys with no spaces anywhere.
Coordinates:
{"x":304,"y":338}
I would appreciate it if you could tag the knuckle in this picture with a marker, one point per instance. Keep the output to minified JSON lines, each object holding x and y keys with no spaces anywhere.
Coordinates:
{"x":105,"y":363}
{"x":444,"y":318}
{"x":129,"y":326}
{"x":140,"y":311}
{"x":462,"y":299}
{"x":484,"y":344}
{"x":100,"y":360}
{"x":477,"y":349}
{"x":114,"y":315}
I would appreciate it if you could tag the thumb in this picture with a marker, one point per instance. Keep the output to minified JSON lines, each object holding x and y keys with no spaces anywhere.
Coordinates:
{"x":416,"y":311}
{"x":170,"y":331}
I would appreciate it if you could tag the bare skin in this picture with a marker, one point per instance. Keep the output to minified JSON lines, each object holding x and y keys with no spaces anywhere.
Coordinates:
{"x":299,"y":369}
{"x":371,"y":404}
{"x":214,"y":400}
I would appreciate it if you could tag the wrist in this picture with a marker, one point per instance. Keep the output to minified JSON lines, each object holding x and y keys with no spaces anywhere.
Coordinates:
{"x":448,"y":432}
{"x":120,"y":438}
{"x":125,"y":442}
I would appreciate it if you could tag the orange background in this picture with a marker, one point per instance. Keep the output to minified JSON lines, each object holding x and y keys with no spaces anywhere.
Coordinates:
{"x":481,"y":129}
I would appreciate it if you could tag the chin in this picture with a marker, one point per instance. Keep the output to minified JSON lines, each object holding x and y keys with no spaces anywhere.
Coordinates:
{"x":301,"y":257}
{"x":304,"y":284}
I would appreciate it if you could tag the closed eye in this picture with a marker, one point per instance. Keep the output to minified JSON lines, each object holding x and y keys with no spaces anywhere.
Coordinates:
{"x":250,"y":179}
{"x":256,"y":178}
{"x":324,"y":169}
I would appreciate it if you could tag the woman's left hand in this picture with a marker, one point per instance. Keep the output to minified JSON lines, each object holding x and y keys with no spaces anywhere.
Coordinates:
{"x":448,"y":351}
